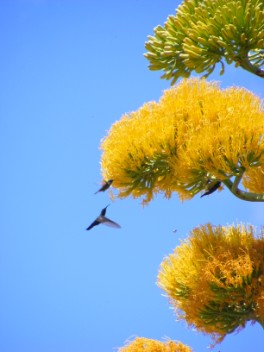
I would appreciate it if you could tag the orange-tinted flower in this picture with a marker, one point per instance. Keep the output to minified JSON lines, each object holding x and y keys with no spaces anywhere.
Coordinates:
{"x":141,"y":344}
{"x":215,"y":279}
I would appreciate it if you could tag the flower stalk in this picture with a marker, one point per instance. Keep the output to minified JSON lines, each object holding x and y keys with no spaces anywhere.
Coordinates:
{"x":247,"y":196}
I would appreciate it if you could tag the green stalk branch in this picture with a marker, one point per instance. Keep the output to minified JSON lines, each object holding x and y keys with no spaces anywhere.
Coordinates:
{"x":236,"y":182}
{"x":248,"y":66}
{"x":248,"y":196}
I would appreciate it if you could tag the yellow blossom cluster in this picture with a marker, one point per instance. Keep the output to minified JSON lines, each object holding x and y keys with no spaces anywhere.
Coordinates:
{"x":196,"y":133}
{"x":141,"y":344}
{"x":215,"y":279}
{"x":254,"y":179}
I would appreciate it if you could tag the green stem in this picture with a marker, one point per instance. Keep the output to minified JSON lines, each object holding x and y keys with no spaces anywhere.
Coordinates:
{"x":247,"y":65}
{"x":236,"y":182}
{"x":247,"y":196}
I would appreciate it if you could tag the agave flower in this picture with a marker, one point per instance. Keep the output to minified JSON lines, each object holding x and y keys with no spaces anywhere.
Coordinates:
{"x":196,"y":134}
{"x":203,"y":33}
{"x":215,"y":279}
{"x":149,"y":345}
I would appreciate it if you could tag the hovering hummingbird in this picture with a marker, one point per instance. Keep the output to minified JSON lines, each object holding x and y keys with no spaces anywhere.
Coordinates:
{"x":211,"y":187}
{"x":105,"y":186}
{"x":102,"y":219}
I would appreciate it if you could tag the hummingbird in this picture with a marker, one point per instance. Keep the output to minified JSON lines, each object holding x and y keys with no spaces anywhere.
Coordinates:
{"x":102,"y":219}
{"x":211,"y":187}
{"x":105,"y":186}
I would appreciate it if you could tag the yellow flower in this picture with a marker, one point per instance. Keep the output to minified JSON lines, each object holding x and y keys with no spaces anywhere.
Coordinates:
{"x":196,"y":133}
{"x":254,"y":179}
{"x":143,"y":344}
{"x":215,"y":279}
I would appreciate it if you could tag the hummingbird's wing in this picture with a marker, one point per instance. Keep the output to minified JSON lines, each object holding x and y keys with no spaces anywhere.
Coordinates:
{"x":110,"y":223}
{"x":96,"y":222}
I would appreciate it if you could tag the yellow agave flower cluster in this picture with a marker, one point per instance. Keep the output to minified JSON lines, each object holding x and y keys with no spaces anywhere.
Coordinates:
{"x":196,"y":133}
{"x":149,"y":345}
{"x":215,"y":279}
{"x":203,"y":32}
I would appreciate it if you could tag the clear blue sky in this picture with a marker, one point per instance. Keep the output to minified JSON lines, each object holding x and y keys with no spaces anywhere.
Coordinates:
{"x":68,"y":70}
